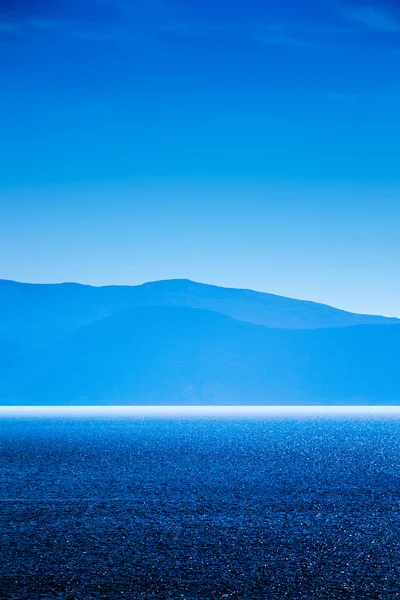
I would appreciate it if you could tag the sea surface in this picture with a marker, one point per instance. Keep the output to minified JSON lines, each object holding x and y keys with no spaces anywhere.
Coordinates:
{"x":199,"y":508}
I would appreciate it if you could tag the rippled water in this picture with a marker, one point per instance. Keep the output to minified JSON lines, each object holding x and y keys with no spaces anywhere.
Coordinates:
{"x":199,"y":509}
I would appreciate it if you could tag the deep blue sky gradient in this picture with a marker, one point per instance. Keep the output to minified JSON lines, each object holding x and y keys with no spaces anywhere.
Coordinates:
{"x":247,"y":143}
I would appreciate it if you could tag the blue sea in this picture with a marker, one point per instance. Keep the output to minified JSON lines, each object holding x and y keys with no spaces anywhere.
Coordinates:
{"x":199,"y":508}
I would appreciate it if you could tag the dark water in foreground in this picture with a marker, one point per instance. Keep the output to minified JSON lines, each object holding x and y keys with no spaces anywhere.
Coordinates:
{"x":199,"y":509}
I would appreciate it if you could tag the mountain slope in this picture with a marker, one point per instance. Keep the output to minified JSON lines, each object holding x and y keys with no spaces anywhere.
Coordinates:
{"x":37,"y":314}
{"x":178,"y":355}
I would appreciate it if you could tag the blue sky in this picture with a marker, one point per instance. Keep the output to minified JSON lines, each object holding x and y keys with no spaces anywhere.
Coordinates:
{"x":245,"y":143}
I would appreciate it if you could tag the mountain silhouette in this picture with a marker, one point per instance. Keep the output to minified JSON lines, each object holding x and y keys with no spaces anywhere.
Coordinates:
{"x":38,"y":314}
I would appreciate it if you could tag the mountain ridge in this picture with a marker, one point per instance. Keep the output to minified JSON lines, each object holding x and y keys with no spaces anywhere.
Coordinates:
{"x":193,"y":282}
{"x":180,"y":342}
{"x":45,"y":312}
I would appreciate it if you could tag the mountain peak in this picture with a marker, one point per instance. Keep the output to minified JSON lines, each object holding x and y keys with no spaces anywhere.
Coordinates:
{"x":44,"y":312}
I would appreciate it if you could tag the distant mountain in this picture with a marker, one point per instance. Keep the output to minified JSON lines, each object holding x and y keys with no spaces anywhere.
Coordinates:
{"x":38,"y":314}
{"x":13,"y":362}
{"x":180,"y":355}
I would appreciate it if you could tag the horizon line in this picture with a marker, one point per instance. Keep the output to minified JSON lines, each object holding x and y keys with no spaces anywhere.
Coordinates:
{"x":175,"y":411}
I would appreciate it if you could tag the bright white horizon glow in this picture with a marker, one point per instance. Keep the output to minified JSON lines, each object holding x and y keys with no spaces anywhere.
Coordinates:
{"x":199,"y":411}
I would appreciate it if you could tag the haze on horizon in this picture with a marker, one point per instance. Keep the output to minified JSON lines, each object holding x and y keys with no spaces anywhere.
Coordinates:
{"x":247,"y":144}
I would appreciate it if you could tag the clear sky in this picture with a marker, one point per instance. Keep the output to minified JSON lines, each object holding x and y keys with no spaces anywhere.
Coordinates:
{"x":249,"y":143}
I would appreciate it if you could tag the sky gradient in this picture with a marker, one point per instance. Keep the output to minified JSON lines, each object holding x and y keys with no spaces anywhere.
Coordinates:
{"x":250,"y":144}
